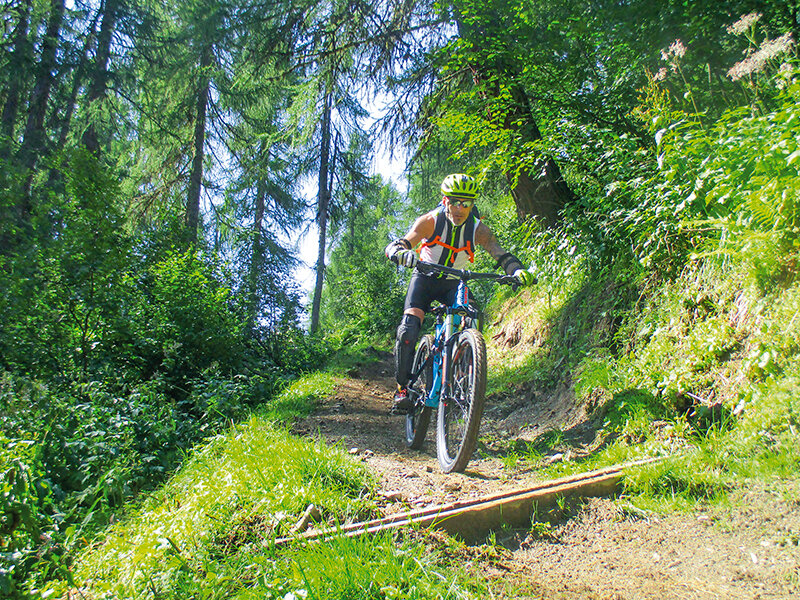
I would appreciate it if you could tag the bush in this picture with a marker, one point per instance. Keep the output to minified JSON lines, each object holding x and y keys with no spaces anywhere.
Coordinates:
{"x":185,"y":322}
{"x":82,"y":451}
{"x":29,"y":534}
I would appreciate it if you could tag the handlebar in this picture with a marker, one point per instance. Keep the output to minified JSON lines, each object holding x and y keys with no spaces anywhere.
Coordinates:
{"x":427,"y":268}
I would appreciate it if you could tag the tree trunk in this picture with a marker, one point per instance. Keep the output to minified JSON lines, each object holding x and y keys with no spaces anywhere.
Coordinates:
{"x":97,"y":88}
{"x":18,"y":66}
{"x":323,"y":200}
{"x":196,"y":177}
{"x":64,"y":124}
{"x":77,"y":82}
{"x":257,"y":255}
{"x":34,"y":138}
{"x":539,"y":192}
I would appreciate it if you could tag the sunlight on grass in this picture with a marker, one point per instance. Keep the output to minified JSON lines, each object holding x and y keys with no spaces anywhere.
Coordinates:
{"x":301,"y":397}
{"x":379,"y":566}
{"x":257,"y":473}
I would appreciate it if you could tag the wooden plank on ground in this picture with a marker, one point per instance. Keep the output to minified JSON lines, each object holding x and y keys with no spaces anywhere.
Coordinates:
{"x":472,"y":520}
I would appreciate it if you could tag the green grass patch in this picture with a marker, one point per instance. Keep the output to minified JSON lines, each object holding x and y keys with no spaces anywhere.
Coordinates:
{"x":676,"y":484}
{"x":300,"y":398}
{"x":250,"y":485}
{"x":380,"y":567}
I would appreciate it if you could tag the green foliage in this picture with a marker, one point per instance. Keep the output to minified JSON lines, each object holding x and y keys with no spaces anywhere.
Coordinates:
{"x":629,"y":409}
{"x":740,"y":176}
{"x":65,"y":292}
{"x":253,"y":472}
{"x":674,"y":347}
{"x":25,"y":508}
{"x":119,"y":353}
{"x":209,"y":531}
{"x":191,"y":319}
{"x":679,"y":483}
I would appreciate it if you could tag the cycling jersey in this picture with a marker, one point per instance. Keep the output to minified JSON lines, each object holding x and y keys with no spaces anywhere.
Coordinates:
{"x":451,"y":245}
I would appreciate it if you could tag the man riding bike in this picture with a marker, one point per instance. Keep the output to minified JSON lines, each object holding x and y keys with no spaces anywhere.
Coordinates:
{"x":448,"y":236}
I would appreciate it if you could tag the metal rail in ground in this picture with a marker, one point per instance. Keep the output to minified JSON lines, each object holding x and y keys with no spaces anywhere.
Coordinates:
{"x":473,"y":519}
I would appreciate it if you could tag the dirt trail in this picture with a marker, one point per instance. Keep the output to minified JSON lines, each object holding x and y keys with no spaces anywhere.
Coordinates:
{"x":598,"y":550}
{"x":357,"y":417}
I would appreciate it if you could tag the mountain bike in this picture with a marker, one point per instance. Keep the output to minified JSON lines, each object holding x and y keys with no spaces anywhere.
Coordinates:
{"x":449,"y":374}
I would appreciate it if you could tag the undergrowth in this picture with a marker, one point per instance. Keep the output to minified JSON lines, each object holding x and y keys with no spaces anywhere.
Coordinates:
{"x":212,"y":531}
{"x":701,"y":371}
{"x":255,"y":481}
{"x":668,"y":302}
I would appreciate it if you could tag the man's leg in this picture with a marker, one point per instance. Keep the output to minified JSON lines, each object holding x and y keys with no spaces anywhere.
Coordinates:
{"x":405,"y":344}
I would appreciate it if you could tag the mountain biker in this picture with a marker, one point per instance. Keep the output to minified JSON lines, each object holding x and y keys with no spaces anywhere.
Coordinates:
{"x":447,"y":235}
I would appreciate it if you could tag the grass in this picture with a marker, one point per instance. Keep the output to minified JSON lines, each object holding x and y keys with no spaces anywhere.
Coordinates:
{"x":379,"y":567}
{"x":703,"y":368}
{"x":300,"y":398}
{"x":210,"y":531}
{"x":257,"y":473}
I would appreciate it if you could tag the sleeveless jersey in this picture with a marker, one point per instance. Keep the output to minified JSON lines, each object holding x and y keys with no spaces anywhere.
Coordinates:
{"x":451,"y":245}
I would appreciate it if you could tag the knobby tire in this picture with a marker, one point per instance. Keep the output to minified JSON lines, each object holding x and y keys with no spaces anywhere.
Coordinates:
{"x":418,"y":419}
{"x":461,"y":409}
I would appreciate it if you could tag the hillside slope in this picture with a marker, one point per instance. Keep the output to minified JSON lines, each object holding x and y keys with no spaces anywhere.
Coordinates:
{"x":604,"y":548}
{"x":594,"y":376}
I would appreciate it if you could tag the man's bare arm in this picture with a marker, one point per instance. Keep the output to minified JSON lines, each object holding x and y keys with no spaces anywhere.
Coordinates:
{"x":487,"y":240}
{"x":421,"y":229}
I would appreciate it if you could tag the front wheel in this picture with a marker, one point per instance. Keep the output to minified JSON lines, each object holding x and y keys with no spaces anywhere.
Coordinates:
{"x":461,"y":408}
{"x":419,"y":417}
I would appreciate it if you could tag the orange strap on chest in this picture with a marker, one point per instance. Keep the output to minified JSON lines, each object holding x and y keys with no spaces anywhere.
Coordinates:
{"x":437,"y":241}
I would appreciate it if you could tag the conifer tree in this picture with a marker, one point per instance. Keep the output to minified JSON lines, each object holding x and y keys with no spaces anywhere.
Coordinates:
{"x":334,"y":32}
{"x":34,"y":136}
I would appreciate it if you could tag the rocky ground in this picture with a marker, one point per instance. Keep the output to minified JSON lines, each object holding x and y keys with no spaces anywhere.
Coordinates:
{"x":601,"y":549}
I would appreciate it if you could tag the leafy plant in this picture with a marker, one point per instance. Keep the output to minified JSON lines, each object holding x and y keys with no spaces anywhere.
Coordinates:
{"x":24,"y":506}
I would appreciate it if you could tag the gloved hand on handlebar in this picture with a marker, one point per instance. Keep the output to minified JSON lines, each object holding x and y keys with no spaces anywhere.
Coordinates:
{"x":524,"y":277}
{"x":406,"y":258}
{"x":400,"y":252}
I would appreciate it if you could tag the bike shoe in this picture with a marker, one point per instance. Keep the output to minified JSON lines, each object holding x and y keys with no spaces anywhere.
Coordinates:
{"x":402,"y":403}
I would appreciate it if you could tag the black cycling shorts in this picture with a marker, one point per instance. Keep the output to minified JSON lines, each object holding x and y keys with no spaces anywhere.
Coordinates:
{"x":423,"y":290}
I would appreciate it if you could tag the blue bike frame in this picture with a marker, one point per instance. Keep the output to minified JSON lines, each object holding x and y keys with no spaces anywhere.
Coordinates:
{"x":447,"y":328}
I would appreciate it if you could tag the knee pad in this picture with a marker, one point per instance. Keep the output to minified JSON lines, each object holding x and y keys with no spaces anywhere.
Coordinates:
{"x":407,"y":335}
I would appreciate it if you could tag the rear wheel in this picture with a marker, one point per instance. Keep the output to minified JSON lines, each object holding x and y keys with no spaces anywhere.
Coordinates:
{"x":461,"y":409}
{"x":419,"y":417}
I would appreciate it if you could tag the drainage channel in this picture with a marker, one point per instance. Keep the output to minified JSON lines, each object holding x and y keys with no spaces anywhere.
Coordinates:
{"x":472,"y":520}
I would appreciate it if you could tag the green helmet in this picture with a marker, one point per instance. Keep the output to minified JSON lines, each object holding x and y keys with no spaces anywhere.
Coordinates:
{"x":459,"y":185}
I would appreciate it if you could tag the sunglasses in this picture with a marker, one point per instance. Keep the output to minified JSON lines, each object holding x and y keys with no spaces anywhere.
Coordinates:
{"x":461,"y":203}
